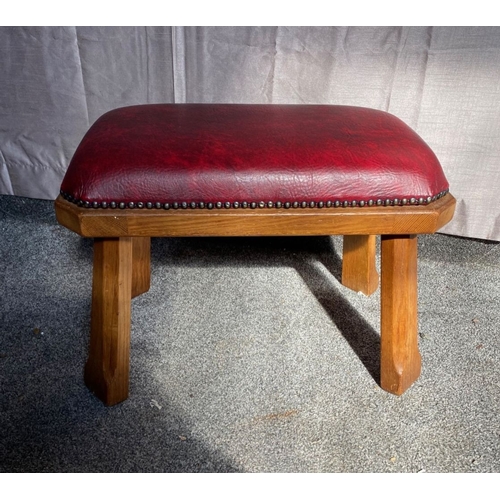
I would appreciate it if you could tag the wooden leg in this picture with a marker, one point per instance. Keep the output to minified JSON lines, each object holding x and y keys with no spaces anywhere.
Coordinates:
{"x":107,"y":368}
{"x":141,"y":265}
{"x":358,"y":264}
{"x":400,"y":359}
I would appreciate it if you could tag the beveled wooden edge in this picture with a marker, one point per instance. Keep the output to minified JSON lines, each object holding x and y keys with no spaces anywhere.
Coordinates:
{"x":419,"y":219}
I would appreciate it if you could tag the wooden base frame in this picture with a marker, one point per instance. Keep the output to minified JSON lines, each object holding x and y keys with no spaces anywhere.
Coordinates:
{"x":122,"y":270}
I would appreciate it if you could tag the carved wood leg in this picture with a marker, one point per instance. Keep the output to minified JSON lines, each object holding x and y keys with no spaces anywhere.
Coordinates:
{"x":141,"y":265}
{"x":400,"y":358}
{"x":358,"y":264}
{"x":107,"y":368}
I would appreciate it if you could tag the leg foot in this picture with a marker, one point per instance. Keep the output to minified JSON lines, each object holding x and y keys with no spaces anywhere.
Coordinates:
{"x":358,"y":264}
{"x":107,"y":368}
{"x":400,"y":358}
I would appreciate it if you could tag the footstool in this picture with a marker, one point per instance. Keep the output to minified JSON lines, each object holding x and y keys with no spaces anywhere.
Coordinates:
{"x":252,"y":170}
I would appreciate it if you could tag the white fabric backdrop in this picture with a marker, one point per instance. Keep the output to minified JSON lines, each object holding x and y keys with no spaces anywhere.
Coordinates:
{"x":442,"y":81}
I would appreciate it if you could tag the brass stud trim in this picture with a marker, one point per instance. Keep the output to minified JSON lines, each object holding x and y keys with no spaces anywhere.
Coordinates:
{"x":254,"y":204}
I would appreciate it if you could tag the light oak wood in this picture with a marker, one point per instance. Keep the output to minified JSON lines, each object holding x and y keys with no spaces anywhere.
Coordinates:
{"x":122,"y":270}
{"x":400,"y":358}
{"x":107,"y":368}
{"x":141,"y":265}
{"x":409,"y":219}
{"x":359,"y":272}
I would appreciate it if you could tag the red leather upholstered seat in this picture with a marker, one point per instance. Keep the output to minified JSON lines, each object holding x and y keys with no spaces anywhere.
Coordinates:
{"x":229,"y":155}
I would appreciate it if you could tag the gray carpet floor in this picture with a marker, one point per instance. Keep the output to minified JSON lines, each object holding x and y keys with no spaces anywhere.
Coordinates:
{"x":247,"y":355}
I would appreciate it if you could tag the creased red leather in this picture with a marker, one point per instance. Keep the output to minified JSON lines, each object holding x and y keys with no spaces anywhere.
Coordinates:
{"x":234,"y":153}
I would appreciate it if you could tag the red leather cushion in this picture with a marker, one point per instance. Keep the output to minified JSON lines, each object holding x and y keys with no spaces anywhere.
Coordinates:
{"x":204,"y":155}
